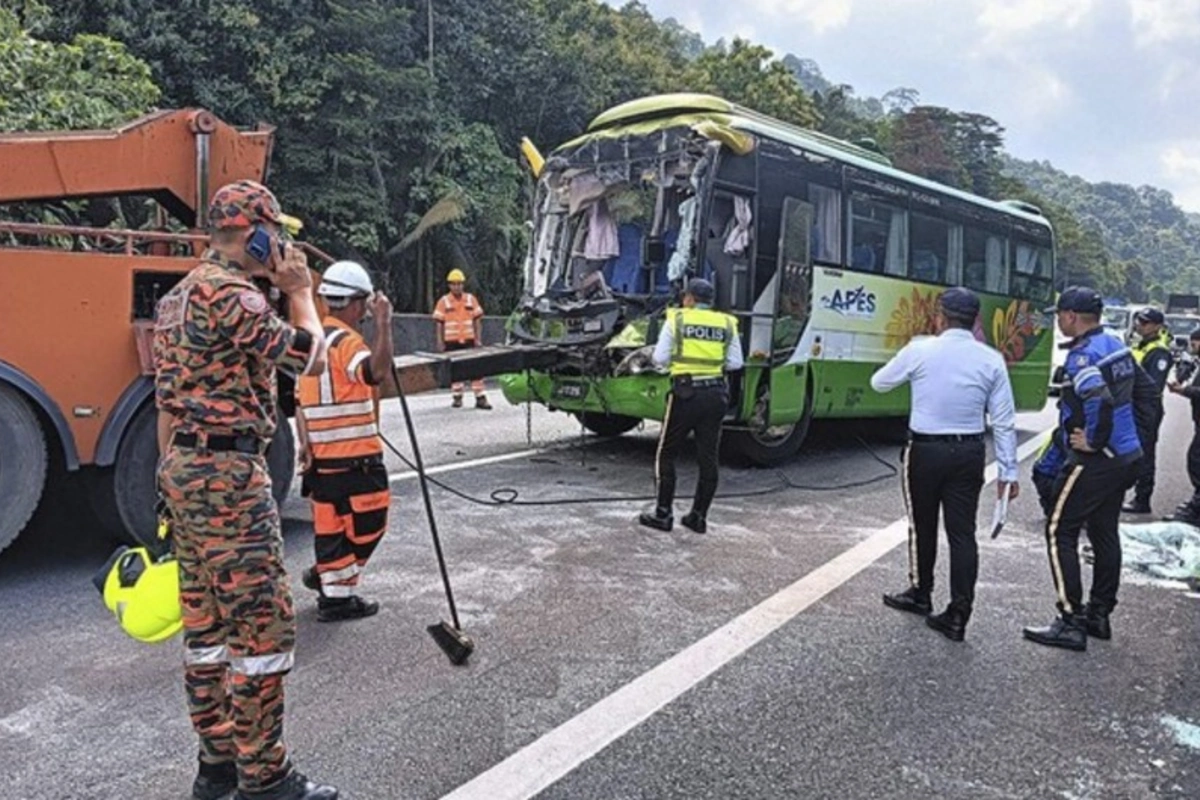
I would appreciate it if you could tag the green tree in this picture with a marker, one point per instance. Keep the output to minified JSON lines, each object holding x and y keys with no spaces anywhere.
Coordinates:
{"x":750,"y":75}
{"x":87,"y":82}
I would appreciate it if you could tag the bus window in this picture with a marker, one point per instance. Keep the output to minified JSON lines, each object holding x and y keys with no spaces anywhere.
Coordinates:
{"x":794,"y":260}
{"x":930,"y":259}
{"x":878,"y":236}
{"x":985,"y":256}
{"x":729,"y":248}
{"x":827,"y":224}
{"x":1032,"y":272}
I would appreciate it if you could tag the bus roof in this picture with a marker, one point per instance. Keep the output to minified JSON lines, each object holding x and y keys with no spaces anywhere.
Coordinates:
{"x":673,"y":109}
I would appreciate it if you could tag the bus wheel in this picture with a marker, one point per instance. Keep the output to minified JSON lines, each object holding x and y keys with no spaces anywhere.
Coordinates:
{"x":607,"y":424}
{"x":22,"y":463}
{"x":125,"y":494}
{"x":771,"y":445}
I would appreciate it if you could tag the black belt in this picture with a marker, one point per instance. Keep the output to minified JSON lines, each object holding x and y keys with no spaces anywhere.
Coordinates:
{"x":702,"y":383}
{"x":945,"y":437}
{"x":222,"y":443}
{"x":362,"y":462}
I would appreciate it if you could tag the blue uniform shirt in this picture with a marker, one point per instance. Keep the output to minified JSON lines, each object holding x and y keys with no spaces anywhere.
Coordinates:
{"x":1098,"y":396}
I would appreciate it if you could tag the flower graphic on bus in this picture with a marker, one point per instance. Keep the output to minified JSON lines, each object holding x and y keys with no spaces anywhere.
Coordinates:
{"x":913,"y":315}
{"x":1016,"y":330}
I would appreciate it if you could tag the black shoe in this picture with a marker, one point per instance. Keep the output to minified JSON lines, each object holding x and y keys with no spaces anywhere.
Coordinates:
{"x":909,"y":600}
{"x":1068,"y":631}
{"x":951,"y":623}
{"x":456,"y":401}
{"x":215,"y":781}
{"x":293,"y":787}
{"x":311,"y":579}
{"x":342,"y":608}
{"x":1098,"y":625}
{"x":1136,"y":507}
{"x":660,"y":519}
{"x":482,"y":402}
{"x":695,"y":522}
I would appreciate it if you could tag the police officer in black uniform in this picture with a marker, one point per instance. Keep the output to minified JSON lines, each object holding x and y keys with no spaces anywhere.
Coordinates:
{"x":698,"y":345}
{"x":1153,"y":354}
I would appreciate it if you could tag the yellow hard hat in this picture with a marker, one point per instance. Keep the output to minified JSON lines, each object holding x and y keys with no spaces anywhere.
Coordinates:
{"x":143,"y":593}
{"x":456,"y":276}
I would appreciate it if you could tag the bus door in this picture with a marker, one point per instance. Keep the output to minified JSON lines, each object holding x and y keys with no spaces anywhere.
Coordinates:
{"x":793,"y":277}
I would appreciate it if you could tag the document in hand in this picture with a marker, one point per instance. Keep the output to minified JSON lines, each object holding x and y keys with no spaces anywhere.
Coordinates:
{"x":1000,"y":515}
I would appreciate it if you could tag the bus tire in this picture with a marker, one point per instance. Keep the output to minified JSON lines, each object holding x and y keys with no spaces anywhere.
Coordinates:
{"x":773,"y":446}
{"x":125,"y":494}
{"x":607,"y":425}
{"x":23,"y":463}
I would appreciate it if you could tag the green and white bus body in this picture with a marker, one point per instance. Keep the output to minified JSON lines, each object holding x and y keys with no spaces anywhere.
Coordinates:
{"x":831,"y":260}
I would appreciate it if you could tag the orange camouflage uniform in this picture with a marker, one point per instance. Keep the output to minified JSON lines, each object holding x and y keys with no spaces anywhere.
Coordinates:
{"x":216,"y":348}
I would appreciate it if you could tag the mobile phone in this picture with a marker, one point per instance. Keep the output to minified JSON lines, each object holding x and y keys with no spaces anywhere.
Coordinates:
{"x":259,"y":245}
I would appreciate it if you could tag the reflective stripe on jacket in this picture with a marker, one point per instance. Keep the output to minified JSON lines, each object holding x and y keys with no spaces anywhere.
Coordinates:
{"x":339,"y":404}
{"x":458,"y":315}
{"x":700,"y":338}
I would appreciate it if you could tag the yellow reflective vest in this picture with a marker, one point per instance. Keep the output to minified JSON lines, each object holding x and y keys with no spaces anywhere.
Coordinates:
{"x":700,"y":339}
{"x":1147,"y":346}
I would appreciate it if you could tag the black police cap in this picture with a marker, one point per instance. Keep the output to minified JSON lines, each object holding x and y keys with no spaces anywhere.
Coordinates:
{"x":1079,"y":299}
{"x":701,"y":289}
{"x":960,"y":302}
{"x":1151,"y":315}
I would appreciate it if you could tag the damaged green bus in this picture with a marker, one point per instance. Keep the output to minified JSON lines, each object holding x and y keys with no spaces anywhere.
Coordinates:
{"x":830,"y":258}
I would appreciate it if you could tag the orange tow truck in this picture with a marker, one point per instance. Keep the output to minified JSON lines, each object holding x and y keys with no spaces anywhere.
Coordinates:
{"x":77,"y":302}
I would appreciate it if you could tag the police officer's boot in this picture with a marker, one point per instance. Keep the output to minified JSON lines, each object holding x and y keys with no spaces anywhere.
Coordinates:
{"x":911,"y":599}
{"x":951,"y":623}
{"x":661,"y":518}
{"x":215,"y":781}
{"x":294,"y":787}
{"x":695,"y":521}
{"x":1098,"y":625}
{"x":1068,"y":631}
{"x":1138,"y":505}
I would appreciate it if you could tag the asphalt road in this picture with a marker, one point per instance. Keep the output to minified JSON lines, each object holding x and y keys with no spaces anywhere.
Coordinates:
{"x":612,"y":662}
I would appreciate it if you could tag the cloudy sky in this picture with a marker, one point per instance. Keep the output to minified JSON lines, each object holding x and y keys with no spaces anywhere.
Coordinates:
{"x":1106,"y":89}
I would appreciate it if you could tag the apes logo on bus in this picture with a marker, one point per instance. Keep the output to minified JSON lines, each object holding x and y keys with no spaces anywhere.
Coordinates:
{"x":851,"y":302}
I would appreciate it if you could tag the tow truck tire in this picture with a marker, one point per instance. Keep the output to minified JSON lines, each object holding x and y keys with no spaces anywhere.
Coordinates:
{"x":607,"y":425}
{"x":23,"y":463}
{"x":129,"y":488}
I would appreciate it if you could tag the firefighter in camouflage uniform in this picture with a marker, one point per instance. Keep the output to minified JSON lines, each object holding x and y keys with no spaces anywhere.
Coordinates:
{"x":217,"y":345}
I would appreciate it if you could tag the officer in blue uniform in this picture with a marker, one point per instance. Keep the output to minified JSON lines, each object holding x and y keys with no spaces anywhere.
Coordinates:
{"x":1099,"y":430}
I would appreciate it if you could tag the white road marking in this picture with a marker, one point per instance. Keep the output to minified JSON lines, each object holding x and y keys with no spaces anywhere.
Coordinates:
{"x":533,"y":768}
{"x":396,"y":477}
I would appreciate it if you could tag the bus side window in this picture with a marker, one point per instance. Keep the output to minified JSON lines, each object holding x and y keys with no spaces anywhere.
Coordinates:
{"x":930,"y":259}
{"x":1032,"y":272}
{"x":827,"y":223}
{"x":985,"y":256}
{"x":795,"y":259}
{"x":878,"y":236}
{"x":729,"y":247}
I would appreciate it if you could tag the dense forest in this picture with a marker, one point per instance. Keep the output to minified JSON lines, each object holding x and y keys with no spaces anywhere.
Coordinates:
{"x":398,"y":122}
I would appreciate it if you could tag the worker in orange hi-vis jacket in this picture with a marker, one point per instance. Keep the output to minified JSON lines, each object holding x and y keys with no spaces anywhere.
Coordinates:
{"x":459,"y":320}
{"x":340,"y":449}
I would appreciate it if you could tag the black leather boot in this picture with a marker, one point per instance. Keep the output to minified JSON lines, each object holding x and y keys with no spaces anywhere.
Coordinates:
{"x":215,"y":781}
{"x":294,"y":787}
{"x":1098,"y":625}
{"x":1068,"y":631}
{"x":910,"y":600}
{"x":338,"y":609}
{"x":951,"y":623}
{"x":1137,"y":505}
{"x":695,"y":521}
{"x":661,"y":518}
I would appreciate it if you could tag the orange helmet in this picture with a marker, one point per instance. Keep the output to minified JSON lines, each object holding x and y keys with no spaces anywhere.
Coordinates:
{"x":244,"y":204}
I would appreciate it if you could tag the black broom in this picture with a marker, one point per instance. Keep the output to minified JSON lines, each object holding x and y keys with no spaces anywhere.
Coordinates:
{"x":454,"y":643}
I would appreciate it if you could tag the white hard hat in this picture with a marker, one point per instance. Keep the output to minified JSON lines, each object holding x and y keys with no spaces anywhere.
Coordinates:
{"x":345,"y":279}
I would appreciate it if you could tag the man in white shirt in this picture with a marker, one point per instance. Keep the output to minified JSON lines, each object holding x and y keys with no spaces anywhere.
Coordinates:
{"x":956,"y":382}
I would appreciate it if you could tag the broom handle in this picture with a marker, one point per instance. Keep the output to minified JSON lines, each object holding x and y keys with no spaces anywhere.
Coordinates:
{"x":437,"y":545}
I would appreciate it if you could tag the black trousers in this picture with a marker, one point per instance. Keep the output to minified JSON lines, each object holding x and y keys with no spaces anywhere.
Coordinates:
{"x":701,"y":412}
{"x":1193,"y":468}
{"x":1144,"y":488}
{"x":943,"y":477}
{"x":1087,"y":494}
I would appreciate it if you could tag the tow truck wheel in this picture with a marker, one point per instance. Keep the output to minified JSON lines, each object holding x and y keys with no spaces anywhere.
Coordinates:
{"x":22,"y":463}
{"x":124,"y":495}
{"x":607,"y":425}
